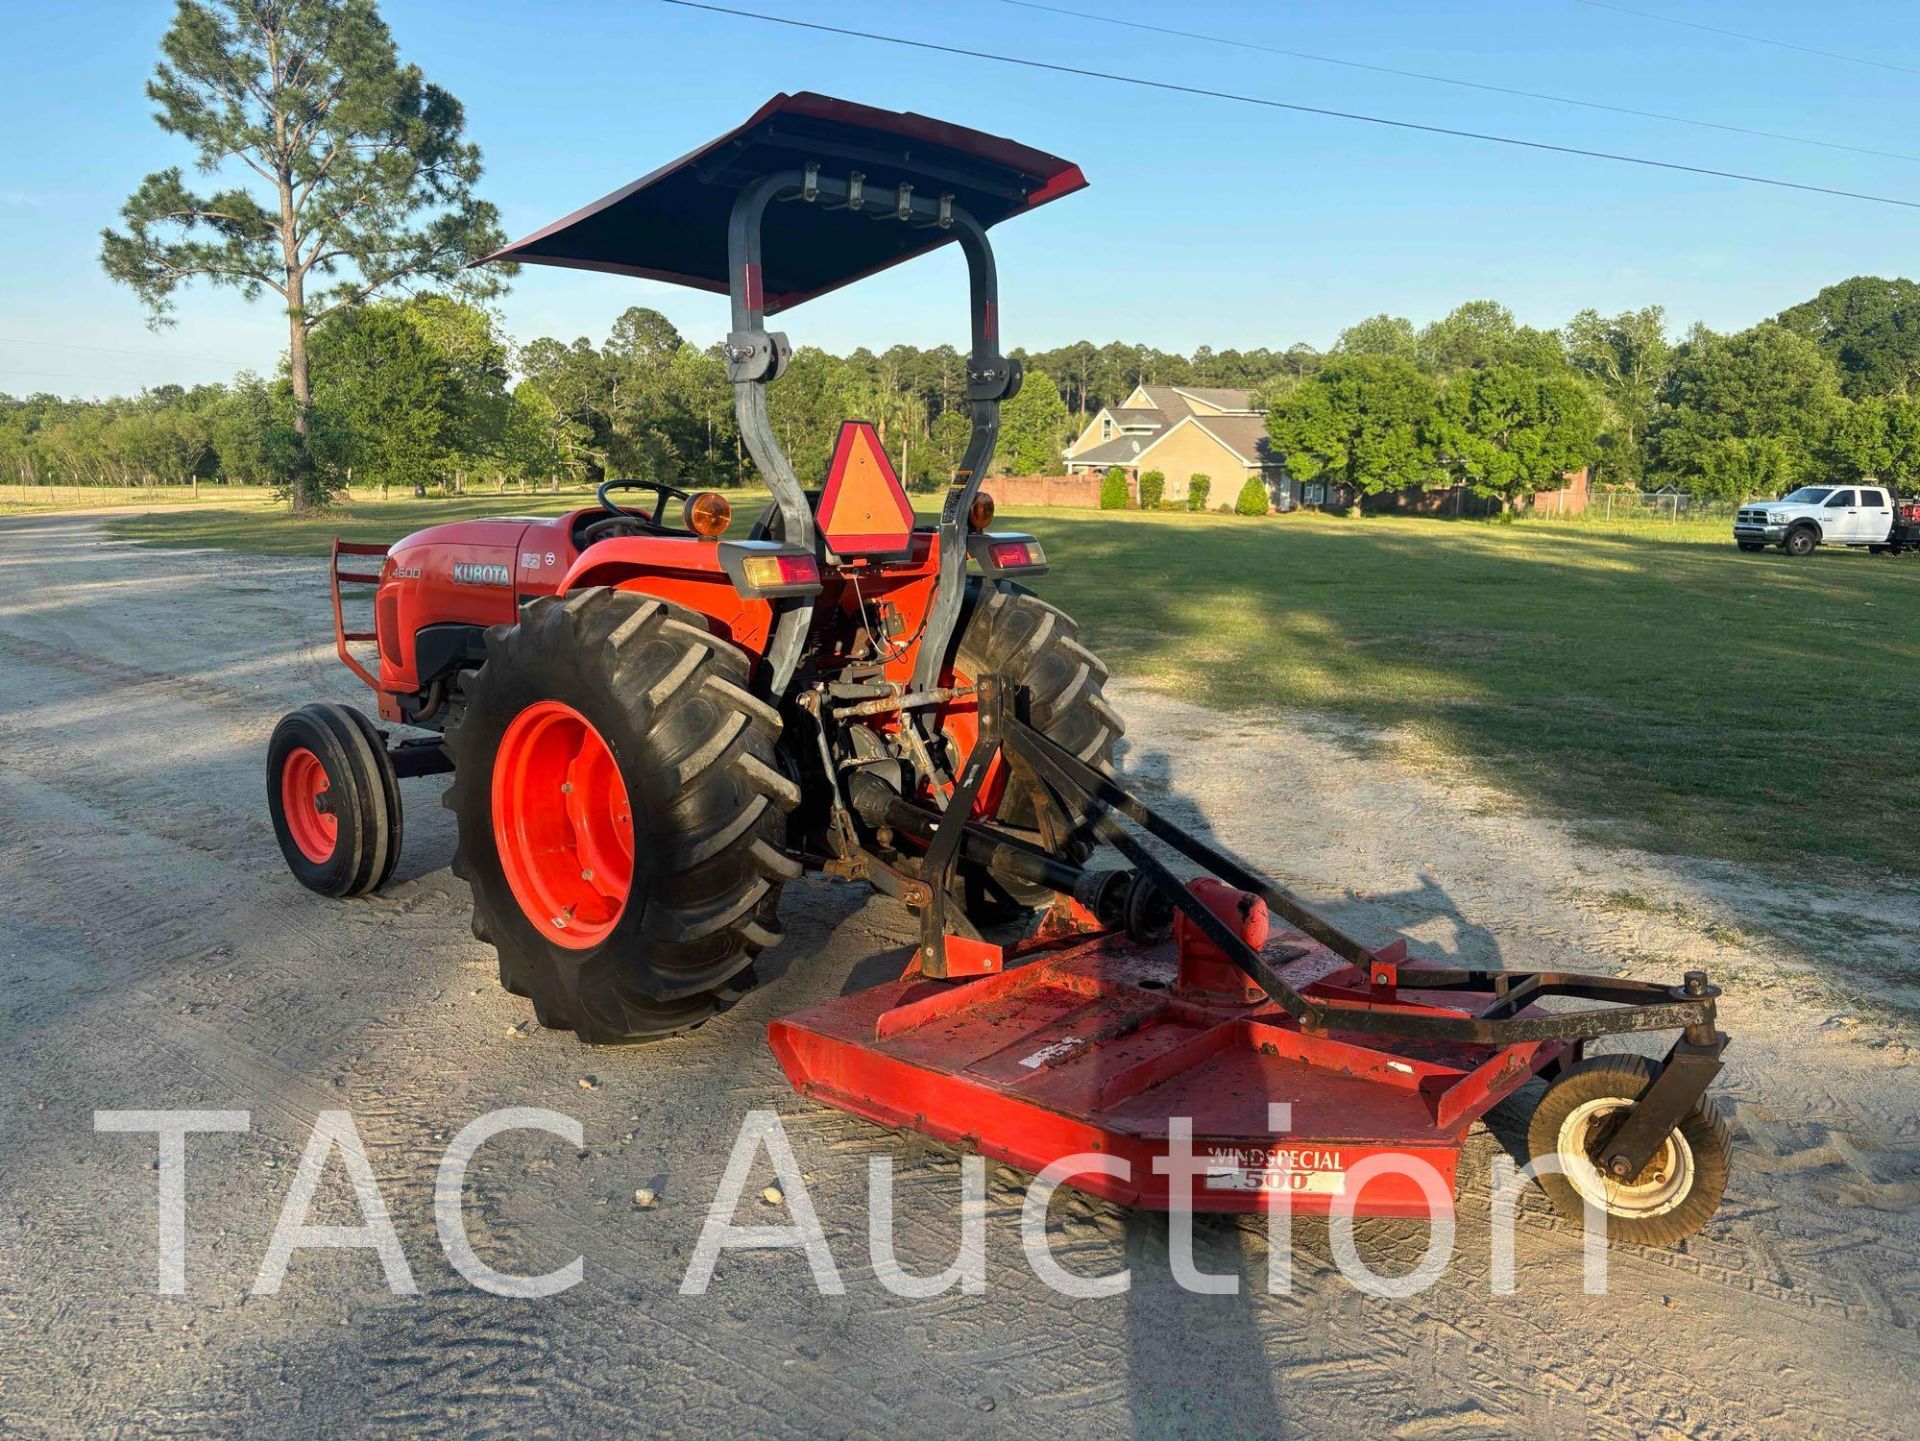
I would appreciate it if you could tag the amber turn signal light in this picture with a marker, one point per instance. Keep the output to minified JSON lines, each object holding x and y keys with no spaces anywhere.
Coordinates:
{"x":980,"y":513}
{"x":709,"y":514}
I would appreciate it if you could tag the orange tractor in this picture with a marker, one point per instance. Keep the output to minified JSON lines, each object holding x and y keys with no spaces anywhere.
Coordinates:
{"x":652,"y":726}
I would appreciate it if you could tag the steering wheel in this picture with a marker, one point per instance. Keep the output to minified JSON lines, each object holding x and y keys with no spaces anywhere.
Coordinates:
{"x":662,"y":491}
{"x":624,"y":520}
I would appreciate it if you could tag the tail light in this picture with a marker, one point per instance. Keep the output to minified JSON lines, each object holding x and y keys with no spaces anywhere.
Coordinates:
{"x":770,"y":568}
{"x":768,"y":571}
{"x":1004,"y":553}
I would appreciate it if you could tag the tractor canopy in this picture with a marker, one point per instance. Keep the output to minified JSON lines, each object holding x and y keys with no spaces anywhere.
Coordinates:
{"x":672,"y":225}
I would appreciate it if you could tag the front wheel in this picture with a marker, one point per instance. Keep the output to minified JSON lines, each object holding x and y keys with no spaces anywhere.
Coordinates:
{"x":334,"y":801}
{"x":1801,"y":541}
{"x":1679,"y":1189}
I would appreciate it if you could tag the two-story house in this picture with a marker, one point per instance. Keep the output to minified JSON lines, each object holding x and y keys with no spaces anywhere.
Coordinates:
{"x":1182,"y":431}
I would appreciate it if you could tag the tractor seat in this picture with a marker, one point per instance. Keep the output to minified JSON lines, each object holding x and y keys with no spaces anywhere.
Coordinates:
{"x":768,"y":526}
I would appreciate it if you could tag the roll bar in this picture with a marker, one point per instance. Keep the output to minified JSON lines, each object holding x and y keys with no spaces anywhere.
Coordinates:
{"x":756,"y":357}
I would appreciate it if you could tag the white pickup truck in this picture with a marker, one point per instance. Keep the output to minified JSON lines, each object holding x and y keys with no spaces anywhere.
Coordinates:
{"x":1816,"y":515}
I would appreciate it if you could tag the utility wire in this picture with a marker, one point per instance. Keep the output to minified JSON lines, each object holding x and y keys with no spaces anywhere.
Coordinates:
{"x":1269,"y":104}
{"x":133,"y":354}
{"x":1238,"y":43}
{"x":1756,"y":39}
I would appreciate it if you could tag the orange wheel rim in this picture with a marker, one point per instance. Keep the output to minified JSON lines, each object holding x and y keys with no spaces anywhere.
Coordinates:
{"x":310,"y":819}
{"x":562,"y":824}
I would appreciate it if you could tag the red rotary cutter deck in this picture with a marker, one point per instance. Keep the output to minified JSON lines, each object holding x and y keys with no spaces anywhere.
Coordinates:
{"x":1103,"y":1031}
{"x":1095,"y":1045}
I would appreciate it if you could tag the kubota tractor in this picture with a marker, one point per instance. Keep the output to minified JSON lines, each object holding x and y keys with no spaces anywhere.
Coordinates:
{"x":652,"y":727}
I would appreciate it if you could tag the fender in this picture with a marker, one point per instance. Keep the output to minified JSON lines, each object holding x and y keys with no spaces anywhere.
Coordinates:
{"x":682,"y":571}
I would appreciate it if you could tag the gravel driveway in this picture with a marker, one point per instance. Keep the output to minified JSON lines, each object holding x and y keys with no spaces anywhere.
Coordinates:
{"x":154,"y":953}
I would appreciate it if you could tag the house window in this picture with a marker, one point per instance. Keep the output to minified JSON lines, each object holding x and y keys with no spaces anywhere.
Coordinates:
{"x":1106,"y":427}
{"x":1316,"y":494}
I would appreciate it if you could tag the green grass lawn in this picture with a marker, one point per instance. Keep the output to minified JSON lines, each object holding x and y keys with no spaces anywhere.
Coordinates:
{"x":1647,"y":678}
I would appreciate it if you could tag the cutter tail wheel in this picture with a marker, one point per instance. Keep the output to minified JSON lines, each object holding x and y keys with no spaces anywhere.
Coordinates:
{"x":1674,"y":1195}
{"x":334,"y":800}
{"x":1035,"y":647}
{"x":622,"y":815}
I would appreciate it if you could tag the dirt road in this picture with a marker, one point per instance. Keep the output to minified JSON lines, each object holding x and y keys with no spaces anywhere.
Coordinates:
{"x":154,"y":953}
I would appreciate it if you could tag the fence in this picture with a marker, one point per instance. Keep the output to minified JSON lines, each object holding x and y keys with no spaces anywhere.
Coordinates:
{"x":97,"y":497}
{"x":1632,"y":505}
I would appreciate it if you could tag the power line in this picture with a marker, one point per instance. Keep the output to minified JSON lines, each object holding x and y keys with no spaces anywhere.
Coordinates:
{"x":63,"y":375}
{"x":1238,"y":43}
{"x":1266,"y":103}
{"x":133,"y":354}
{"x":1756,"y":39}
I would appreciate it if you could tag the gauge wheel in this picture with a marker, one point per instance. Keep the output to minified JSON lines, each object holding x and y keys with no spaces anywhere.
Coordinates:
{"x":1678,"y":1190}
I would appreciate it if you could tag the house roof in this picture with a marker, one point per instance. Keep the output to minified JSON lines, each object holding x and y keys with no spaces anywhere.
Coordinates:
{"x":1121,"y":450}
{"x":1244,"y":435}
{"x":1139,"y":415}
{"x":1168,"y":400}
{"x":1225,"y":399}
{"x":1176,"y":400}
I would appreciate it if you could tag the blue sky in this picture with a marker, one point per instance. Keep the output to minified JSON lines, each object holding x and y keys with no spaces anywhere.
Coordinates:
{"x":1206,"y":222}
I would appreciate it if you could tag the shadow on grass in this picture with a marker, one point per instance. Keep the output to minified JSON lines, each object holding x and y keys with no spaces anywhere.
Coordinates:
{"x":1690,"y":698}
{"x":1698,"y":700}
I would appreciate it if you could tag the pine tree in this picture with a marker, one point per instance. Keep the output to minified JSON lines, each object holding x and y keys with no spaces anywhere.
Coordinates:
{"x":362,"y":179}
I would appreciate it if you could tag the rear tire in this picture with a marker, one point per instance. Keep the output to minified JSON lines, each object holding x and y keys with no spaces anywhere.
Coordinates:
{"x":334,"y":800}
{"x":694,"y":751}
{"x":1035,"y":647}
{"x":1675,"y":1195}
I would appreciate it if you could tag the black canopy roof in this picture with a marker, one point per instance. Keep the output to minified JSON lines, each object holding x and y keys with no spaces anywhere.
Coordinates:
{"x":672,"y":225}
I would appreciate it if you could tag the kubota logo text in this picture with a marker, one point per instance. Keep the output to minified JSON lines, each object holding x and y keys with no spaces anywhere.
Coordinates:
{"x":470,"y":572}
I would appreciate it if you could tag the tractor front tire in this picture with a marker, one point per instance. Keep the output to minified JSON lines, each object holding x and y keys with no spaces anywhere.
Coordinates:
{"x":621,"y":815}
{"x":1680,"y":1188}
{"x":1035,"y":647}
{"x":334,"y":800}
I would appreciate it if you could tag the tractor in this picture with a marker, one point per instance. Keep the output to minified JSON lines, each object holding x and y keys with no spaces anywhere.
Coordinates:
{"x":655,"y":719}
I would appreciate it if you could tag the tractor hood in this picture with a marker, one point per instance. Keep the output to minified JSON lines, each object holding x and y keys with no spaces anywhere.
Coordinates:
{"x":672,"y":225}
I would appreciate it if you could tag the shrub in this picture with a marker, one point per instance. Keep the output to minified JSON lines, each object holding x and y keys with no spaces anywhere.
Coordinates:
{"x":1153,"y":485}
{"x":1253,"y":497}
{"x":1197,"y":489}
{"x":1113,"y":490}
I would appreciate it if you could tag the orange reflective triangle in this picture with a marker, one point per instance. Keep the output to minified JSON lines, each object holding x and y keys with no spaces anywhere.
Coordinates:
{"x":863,"y":509}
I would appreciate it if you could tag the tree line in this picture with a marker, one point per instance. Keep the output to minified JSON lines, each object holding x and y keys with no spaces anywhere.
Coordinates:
{"x":347,"y":193}
{"x":1827,"y":389}
{"x":429,"y":391}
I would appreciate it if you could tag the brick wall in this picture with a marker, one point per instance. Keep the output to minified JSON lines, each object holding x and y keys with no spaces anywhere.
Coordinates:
{"x":1020,"y":490}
